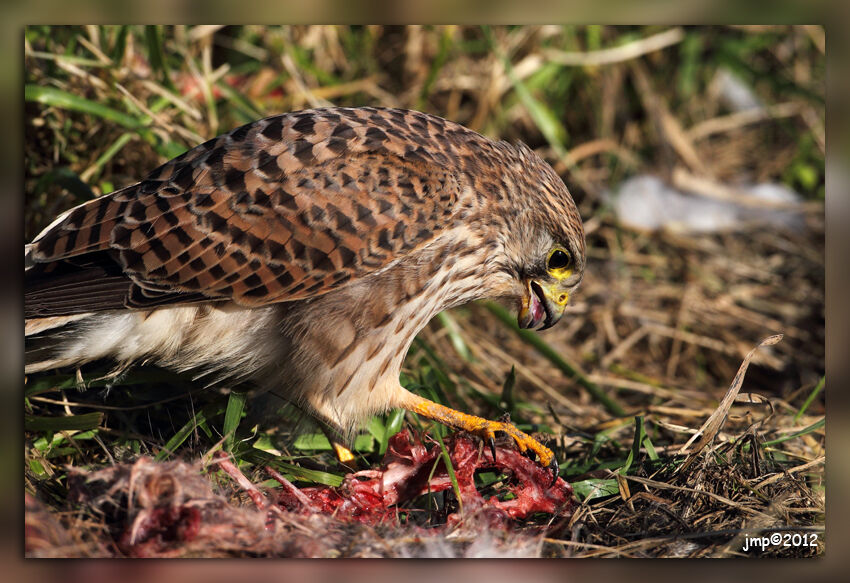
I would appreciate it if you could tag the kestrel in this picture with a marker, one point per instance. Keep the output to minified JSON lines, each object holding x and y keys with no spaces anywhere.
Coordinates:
{"x":303,"y":252}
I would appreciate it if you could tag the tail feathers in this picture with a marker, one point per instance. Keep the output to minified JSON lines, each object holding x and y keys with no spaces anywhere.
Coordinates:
{"x":38,"y":325}
{"x":45,"y":338}
{"x":89,"y":283}
{"x":29,"y":261}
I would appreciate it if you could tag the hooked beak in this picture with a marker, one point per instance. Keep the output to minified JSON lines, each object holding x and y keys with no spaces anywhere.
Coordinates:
{"x":541,"y":303}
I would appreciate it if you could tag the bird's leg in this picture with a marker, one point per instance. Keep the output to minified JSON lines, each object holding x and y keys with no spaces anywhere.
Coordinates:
{"x":477,"y":425}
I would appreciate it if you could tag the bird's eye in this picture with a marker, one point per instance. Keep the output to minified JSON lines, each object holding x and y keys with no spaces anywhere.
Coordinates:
{"x":558,"y":259}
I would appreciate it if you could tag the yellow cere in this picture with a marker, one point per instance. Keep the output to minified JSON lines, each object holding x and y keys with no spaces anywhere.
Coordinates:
{"x":555,"y":293}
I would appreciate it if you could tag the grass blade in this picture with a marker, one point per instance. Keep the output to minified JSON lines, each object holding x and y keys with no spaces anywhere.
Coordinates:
{"x":82,"y":422}
{"x":182,"y":435}
{"x":532,"y":338}
{"x":810,"y":399}
{"x":232,"y":417}
{"x":453,"y":331}
{"x":641,"y":439}
{"x":507,"y":400}
{"x":107,"y":155}
{"x":447,"y":460}
{"x":291,"y":471}
{"x":316,"y":476}
{"x":813,"y":427}
{"x":548,"y":123}
{"x":64,"y":100}
{"x":587,"y":490}
{"x":395,"y":419}
{"x":154,"y":44}
{"x":120,"y":44}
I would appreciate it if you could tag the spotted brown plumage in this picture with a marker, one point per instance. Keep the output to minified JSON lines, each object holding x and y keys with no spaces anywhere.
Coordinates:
{"x":303,"y":252}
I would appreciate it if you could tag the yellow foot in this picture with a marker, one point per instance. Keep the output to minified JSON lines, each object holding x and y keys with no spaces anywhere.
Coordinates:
{"x":483,"y":428}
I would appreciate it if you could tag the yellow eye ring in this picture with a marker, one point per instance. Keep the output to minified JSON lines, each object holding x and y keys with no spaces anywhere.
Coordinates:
{"x":559,"y":259}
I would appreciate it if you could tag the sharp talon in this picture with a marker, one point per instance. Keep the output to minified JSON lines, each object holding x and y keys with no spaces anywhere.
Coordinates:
{"x":492,"y":442}
{"x":529,"y":453}
{"x":555,"y":470}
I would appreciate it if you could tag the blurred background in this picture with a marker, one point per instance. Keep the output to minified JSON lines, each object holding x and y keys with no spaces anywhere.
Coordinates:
{"x":695,"y":155}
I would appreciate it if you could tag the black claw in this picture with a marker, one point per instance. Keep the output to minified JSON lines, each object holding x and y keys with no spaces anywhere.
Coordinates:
{"x":555,"y":469}
{"x":493,"y":448}
{"x":529,"y":453}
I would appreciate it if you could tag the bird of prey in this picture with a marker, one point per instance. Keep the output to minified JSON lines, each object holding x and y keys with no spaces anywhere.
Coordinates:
{"x":303,"y":252}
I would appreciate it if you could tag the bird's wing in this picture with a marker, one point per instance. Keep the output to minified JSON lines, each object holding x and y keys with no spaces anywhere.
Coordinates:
{"x":281,"y":209}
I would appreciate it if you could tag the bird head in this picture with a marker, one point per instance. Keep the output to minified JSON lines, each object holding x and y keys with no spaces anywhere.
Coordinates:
{"x":547,"y":287}
{"x":548,"y":244}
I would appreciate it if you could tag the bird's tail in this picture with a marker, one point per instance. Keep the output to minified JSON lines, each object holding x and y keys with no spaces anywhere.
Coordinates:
{"x":45,"y":340}
{"x":45,"y":337}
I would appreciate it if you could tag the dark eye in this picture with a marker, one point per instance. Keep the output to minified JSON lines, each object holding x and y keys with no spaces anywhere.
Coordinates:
{"x":559,"y":259}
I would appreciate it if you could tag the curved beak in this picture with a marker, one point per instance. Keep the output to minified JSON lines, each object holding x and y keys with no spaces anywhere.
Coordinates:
{"x":542,"y":304}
